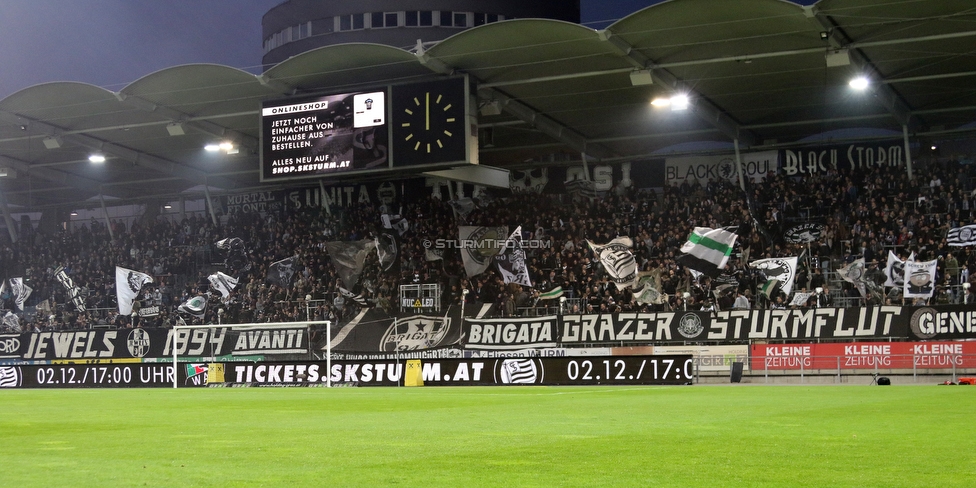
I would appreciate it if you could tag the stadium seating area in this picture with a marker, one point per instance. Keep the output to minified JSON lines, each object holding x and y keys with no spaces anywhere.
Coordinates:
{"x":865,"y":214}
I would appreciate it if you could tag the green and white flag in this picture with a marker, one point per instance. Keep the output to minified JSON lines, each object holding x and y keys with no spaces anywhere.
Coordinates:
{"x":769,"y":287}
{"x":551,"y":294}
{"x":707,"y":250}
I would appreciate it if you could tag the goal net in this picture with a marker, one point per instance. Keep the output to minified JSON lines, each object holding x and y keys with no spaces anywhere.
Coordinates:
{"x":204,"y":349}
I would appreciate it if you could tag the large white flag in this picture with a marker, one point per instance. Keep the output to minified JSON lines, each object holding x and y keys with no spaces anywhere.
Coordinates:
{"x":895,"y":270}
{"x":782,"y":269}
{"x":222,"y":283}
{"x":479,"y":245}
{"x":128,"y":284}
{"x":919,"y":279}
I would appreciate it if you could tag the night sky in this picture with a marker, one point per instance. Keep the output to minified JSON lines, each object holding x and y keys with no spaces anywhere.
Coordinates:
{"x":111,"y":43}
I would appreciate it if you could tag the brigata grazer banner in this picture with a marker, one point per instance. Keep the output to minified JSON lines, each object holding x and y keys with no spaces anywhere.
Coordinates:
{"x":596,"y":370}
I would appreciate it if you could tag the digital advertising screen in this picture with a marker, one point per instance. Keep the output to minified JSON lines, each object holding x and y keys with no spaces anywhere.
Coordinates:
{"x":324,"y":135}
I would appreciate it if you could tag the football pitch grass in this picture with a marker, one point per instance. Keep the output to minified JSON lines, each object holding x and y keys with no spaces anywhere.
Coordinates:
{"x":721,"y":435}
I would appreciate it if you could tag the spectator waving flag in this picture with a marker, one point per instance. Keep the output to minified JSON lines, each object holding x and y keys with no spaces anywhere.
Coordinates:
{"x":552,"y":294}
{"x":618,"y":259}
{"x":18,"y":291}
{"x":769,"y":288}
{"x":481,"y":244}
{"x":281,"y":272}
{"x":854,"y":273}
{"x":357,"y":298}
{"x":349,"y":257}
{"x":782,"y":269}
{"x":895,"y":270}
{"x":236,"y":259}
{"x":962,"y":236}
{"x":708,"y":250}
{"x":511,"y":261}
{"x":128,"y":284}
{"x":196,"y":306}
{"x":223,"y":283}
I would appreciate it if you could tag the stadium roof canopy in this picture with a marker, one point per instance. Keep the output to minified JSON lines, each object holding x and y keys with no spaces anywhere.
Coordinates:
{"x":764,"y":73}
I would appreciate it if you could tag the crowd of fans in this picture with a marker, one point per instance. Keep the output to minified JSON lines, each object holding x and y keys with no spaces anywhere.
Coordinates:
{"x":864,"y":214}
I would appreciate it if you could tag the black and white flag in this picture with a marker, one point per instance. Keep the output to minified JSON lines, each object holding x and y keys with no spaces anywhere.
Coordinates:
{"x":782,"y":269}
{"x":128,"y":284}
{"x":581,"y":189}
{"x":387,"y":250}
{"x":74,"y":292}
{"x":356,"y":298}
{"x":618,"y":259}
{"x":236,"y":259}
{"x":511,"y":261}
{"x":281,"y":272}
{"x":12,"y":322}
{"x":854,"y":273}
{"x":462,"y":207}
{"x":895,"y":270}
{"x":19,"y":292}
{"x":349,"y":257}
{"x":962,"y":236}
{"x":224,"y":284}
{"x":395,"y":222}
{"x":479,"y":246}
{"x":804,"y":233}
{"x":196,"y":306}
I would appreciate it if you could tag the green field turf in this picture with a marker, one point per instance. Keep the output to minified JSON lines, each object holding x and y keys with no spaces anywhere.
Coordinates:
{"x":743,"y":435}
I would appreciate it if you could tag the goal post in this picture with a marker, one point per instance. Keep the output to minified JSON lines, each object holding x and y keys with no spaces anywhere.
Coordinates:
{"x":308,"y":324}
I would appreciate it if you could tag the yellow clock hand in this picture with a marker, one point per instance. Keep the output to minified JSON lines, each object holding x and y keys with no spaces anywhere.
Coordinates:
{"x":427,"y":111}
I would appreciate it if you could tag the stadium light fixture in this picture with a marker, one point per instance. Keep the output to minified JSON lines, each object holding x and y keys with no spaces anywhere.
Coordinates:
{"x":860,"y":83}
{"x":661,"y":102}
{"x":225,"y":146}
{"x":679,"y":102}
{"x":676,"y":102}
{"x":97,"y":158}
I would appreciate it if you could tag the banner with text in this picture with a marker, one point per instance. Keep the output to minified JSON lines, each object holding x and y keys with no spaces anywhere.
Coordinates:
{"x":596,"y":370}
{"x":856,"y":157}
{"x":702,"y":169}
{"x":864,"y":355}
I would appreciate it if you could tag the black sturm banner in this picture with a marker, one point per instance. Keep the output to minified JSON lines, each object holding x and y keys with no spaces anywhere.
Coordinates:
{"x":596,"y":370}
{"x":373,"y":334}
{"x":96,"y":345}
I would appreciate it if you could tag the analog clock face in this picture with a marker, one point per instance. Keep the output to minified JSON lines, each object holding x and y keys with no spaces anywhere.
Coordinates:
{"x":428,"y":122}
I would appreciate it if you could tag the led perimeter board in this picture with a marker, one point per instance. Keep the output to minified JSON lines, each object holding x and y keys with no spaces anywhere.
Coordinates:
{"x":413,"y":126}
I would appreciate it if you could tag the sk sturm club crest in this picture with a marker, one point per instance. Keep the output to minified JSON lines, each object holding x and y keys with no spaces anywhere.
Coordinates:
{"x":519,"y":371}
{"x":690,"y":326}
